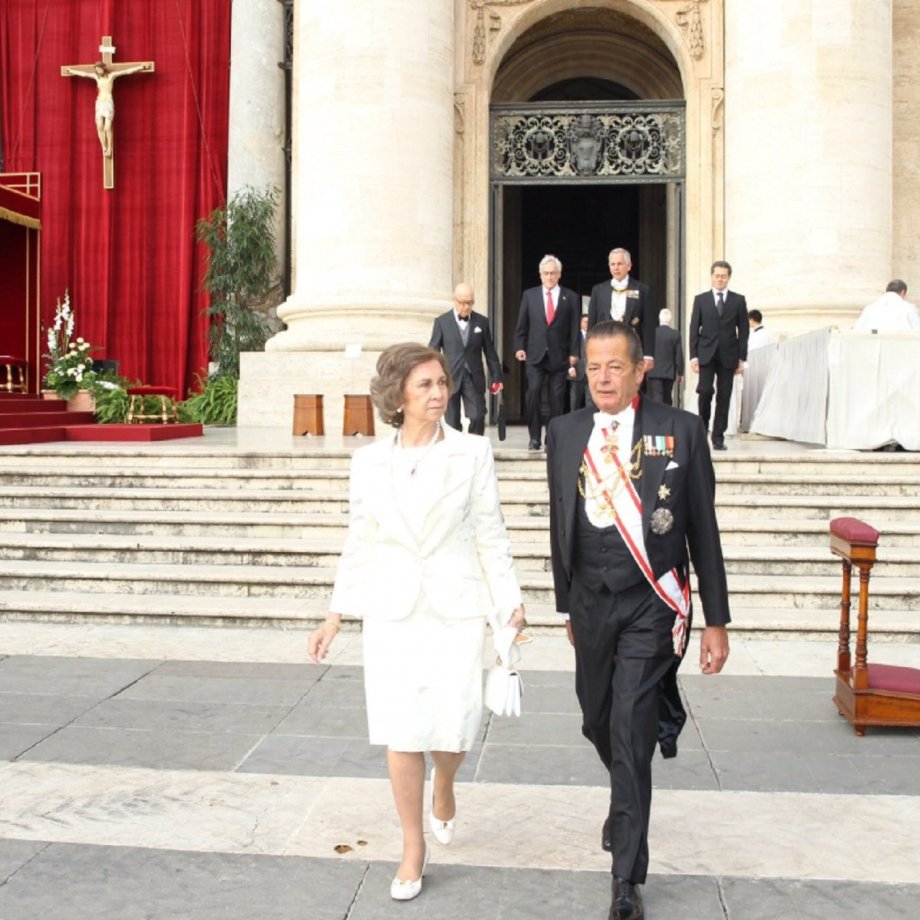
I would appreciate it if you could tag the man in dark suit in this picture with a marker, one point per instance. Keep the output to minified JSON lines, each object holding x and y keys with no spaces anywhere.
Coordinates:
{"x":626,"y":300}
{"x":464,"y":337}
{"x":718,"y":347}
{"x":578,"y":381}
{"x":547,"y":339}
{"x":669,"y":360}
{"x":632,"y":501}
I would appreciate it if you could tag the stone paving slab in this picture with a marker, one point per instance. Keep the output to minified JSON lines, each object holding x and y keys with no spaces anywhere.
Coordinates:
{"x":70,"y":882}
{"x":73,"y":882}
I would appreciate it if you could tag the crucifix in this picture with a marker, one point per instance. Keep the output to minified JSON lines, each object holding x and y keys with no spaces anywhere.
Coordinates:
{"x":105,"y":72}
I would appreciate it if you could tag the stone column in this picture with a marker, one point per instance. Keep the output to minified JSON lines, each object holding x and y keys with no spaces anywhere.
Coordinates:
{"x":808,"y":171}
{"x":372,"y":192}
{"x":255,"y":155}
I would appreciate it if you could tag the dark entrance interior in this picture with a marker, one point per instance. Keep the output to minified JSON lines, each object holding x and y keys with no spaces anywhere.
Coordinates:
{"x":579,"y":224}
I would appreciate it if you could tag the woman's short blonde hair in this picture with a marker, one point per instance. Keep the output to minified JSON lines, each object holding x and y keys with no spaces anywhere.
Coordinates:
{"x":393,"y":368}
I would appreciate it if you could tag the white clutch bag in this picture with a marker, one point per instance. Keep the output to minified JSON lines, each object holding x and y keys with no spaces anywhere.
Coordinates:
{"x":504,"y":686}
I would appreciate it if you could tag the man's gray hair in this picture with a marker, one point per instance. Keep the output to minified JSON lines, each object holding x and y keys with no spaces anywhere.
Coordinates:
{"x":664,"y":317}
{"x":626,"y":256}
{"x":548,"y":258}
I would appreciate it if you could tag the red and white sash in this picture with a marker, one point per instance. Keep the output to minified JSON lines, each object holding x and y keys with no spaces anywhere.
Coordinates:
{"x":613,"y":494}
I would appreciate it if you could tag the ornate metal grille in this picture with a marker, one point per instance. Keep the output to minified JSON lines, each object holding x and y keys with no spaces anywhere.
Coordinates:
{"x":631,"y":142}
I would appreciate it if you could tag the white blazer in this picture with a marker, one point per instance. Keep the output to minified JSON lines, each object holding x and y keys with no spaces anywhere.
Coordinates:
{"x":462,"y":559}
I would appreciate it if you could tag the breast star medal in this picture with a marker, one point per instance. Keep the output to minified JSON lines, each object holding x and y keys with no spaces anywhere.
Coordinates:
{"x":664,"y":492}
{"x":662,"y":521}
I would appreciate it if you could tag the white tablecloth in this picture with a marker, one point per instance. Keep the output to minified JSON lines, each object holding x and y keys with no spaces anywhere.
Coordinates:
{"x":793,"y":404}
{"x":874,"y":392}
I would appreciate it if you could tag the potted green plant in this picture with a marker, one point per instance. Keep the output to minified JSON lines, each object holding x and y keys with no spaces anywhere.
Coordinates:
{"x":241,"y":271}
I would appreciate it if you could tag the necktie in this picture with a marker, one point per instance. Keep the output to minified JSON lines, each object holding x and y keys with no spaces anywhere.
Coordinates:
{"x":550,"y":309}
{"x":720,"y":302}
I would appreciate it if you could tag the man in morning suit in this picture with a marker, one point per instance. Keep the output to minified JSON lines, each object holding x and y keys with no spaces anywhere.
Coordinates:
{"x":546,"y":338}
{"x":718,"y":347}
{"x":632,"y":500}
{"x":464,"y":337}
{"x":669,"y":360}
{"x":626,"y":300}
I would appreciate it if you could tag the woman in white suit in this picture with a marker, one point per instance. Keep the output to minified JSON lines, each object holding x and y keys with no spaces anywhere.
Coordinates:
{"x":426,"y":559}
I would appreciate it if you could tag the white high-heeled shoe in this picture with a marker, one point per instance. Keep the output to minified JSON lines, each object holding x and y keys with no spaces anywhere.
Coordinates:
{"x":407,"y":890}
{"x":443,"y":830}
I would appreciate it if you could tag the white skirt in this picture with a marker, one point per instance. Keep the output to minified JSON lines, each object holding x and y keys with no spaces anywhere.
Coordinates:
{"x":423,"y":681}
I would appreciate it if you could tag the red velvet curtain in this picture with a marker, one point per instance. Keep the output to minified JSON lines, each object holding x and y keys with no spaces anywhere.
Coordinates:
{"x":128,"y":255}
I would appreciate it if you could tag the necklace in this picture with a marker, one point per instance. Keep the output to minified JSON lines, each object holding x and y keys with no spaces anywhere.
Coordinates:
{"x":428,"y":446}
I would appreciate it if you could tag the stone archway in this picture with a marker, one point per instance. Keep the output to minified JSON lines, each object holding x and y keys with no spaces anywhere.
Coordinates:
{"x":656,"y":49}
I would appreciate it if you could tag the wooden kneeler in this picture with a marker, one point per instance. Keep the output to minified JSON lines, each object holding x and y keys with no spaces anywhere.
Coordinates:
{"x":867,"y":694}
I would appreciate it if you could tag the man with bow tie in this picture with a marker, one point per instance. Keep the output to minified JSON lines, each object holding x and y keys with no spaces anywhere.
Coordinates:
{"x":465,"y":338}
{"x":625,"y":300}
{"x":719,"y":332}
{"x":547,"y":342}
{"x":632,"y":502}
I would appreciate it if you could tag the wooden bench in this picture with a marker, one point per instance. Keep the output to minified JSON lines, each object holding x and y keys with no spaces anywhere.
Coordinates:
{"x":867,"y":694}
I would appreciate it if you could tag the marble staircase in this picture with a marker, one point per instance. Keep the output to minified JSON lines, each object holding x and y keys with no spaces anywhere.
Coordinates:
{"x":251,"y":537}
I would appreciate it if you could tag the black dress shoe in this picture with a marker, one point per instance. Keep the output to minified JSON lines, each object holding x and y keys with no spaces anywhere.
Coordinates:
{"x":533,"y":445}
{"x":626,"y":901}
{"x":606,"y":842}
{"x":719,"y":445}
{"x":668,"y":747}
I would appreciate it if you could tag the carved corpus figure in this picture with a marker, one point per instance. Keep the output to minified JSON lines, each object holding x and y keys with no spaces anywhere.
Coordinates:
{"x":105,"y":99}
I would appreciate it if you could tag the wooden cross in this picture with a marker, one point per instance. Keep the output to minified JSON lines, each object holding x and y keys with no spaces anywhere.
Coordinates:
{"x":105,"y":72}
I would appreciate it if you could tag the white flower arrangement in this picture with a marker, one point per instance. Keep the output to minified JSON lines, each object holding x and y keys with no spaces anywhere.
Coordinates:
{"x":70,"y":367}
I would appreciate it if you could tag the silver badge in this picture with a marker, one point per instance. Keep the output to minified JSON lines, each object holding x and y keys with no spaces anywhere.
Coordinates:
{"x":662,"y":521}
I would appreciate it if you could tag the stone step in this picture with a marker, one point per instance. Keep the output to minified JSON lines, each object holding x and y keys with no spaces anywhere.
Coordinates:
{"x":213,"y":523}
{"x":812,"y":532}
{"x":312,"y":551}
{"x":735,"y":531}
{"x":516,"y":501}
{"x":173,"y":609}
{"x":323,"y":549}
{"x":757,"y":466}
{"x":787,"y":591}
{"x":773,"y":508}
{"x":792,"y":483}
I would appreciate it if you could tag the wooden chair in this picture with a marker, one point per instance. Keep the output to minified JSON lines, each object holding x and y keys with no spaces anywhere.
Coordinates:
{"x":867,"y":694}
{"x":16,"y":369}
{"x":163,"y":398}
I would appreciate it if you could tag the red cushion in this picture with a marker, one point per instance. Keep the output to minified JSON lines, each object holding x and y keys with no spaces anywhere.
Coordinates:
{"x":152,"y":391}
{"x":854,"y":531}
{"x":9,"y":359}
{"x":894,"y":679}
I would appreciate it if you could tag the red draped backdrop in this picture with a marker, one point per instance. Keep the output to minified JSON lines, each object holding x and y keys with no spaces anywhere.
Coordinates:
{"x":128,"y":255}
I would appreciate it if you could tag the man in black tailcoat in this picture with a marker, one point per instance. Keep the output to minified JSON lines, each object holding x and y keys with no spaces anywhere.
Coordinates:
{"x":465,"y":338}
{"x":631,"y":504}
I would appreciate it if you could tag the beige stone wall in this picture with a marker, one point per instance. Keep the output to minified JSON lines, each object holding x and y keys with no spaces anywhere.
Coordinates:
{"x":906,"y":153}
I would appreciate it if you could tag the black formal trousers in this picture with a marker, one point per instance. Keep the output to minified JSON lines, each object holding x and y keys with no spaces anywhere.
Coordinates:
{"x":622,"y":651}
{"x":474,"y":404}
{"x":536,"y":375}
{"x":660,"y":389}
{"x":714,"y":374}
